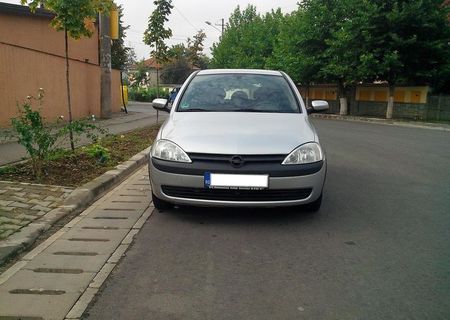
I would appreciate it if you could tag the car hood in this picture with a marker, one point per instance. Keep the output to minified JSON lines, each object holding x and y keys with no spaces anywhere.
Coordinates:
{"x":238,"y":132}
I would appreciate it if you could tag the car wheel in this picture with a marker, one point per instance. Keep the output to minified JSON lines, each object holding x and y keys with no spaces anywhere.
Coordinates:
{"x":313,"y":206}
{"x":160,"y":204}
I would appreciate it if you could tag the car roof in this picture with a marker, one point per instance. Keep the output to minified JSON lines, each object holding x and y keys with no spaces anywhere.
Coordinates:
{"x":242,"y":71}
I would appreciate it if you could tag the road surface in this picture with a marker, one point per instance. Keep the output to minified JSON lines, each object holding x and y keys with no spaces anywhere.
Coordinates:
{"x":378,"y":248}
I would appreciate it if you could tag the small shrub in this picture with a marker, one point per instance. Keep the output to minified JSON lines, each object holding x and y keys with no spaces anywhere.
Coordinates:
{"x":40,"y":138}
{"x":97,"y":151}
{"x":37,"y":138}
{"x":146,"y":94}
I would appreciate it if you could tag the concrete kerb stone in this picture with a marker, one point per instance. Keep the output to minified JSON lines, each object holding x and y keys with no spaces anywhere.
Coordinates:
{"x":392,"y":122}
{"x":75,"y":203}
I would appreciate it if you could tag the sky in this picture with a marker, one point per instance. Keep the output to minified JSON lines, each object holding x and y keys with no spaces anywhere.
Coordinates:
{"x":188,"y":16}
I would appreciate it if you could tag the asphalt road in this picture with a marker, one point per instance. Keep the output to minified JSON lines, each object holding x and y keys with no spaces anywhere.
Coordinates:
{"x":378,"y":248}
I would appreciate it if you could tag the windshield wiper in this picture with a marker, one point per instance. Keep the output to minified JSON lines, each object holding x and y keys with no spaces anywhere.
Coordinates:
{"x":194,"y":110}
{"x":253,"y":110}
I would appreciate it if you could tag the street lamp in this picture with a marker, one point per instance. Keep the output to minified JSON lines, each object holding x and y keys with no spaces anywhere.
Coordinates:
{"x":214,"y":25}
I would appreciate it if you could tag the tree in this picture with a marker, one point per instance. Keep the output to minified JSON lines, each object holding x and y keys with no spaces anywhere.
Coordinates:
{"x":344,"y":55}
{"x":295,"y":52}
{"x":140,"y":74}
{"x":195,"y":49}
{"x":76,"y":19}
{"x":176,"y":71}
{"x":130,"y":60}
{"x":156,"y":33}
{"x":248,"y":39}
{"x":407,"y":41}
{"x":183,"y":59}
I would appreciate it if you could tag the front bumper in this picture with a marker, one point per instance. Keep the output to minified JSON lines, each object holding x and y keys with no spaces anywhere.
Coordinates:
{"x":313,"y":181}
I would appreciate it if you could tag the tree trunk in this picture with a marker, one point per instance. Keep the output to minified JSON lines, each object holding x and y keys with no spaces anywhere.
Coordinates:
{"x":342,"y":100}
{"x":390,"y":105}
{"x":72,"y":144}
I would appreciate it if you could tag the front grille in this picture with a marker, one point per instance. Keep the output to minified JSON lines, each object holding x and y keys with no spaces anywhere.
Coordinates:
{"x":248,"y":159}
{"x":237,"y":195}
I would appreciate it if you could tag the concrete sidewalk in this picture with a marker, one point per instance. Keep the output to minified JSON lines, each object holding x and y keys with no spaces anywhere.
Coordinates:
{"x":394,"y":122}
{"x":59,"y":277}
{"x":140,"y":115}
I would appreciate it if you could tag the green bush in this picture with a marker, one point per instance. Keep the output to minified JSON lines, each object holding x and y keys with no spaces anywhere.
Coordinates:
{"x":37,"y":137}
{"x":40,"y":138}
{"x":146,"y":94}
{"x":97,"y":151}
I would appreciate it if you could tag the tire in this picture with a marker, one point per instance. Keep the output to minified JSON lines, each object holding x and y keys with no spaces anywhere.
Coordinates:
{"x":313,"y":206}
{"x":160,"y":204}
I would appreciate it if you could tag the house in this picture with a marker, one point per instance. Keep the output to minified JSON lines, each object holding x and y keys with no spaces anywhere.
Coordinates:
{"x":153,"y":71}
{"x":32,"y":56}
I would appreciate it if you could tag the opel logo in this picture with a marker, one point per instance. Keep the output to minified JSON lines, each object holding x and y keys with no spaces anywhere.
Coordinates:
{"x":237,"y":161}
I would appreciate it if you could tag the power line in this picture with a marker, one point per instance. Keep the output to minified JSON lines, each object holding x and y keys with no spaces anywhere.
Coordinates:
{"x":187,"y":20}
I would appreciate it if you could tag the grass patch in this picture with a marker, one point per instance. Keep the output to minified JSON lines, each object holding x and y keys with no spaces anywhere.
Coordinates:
{"x":74,"y":169}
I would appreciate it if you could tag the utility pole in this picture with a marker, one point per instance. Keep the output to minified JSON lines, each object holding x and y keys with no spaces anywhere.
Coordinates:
{"x":105,"y":67}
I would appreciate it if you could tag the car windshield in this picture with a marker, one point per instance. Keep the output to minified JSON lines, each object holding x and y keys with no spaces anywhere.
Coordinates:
{"x":238,"y":93}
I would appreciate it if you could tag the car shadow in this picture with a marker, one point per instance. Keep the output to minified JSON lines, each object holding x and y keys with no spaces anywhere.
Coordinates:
{"x":231,"y":216}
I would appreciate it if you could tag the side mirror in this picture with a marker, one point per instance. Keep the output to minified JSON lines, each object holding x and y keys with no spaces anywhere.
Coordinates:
{"x":160,"y":105}
{"x":318,"y":105}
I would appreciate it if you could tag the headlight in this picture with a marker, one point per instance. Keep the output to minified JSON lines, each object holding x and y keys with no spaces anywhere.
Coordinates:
{"x":306,"y":153}
{"x":167,"y":150}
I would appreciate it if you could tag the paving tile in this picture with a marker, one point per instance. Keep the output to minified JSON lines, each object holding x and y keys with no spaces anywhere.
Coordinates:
{"x":10,"y":227}
{"x":19,"y":205}
{"x":114,"y":236}
{"x":135,"y":214}
{"x":101,"y":223}
{"x":34,"y":196}
{"x":49,"y":307}
{"x":5,"y":220}
{"x":62,"y":245}
{"x":52,"y":198}
{"x":20,"y":194}
{"x":119,"y":205}
{"x":27,"y":217}
{"x":66,"y":261}
{"x":6,"y":233}
{"x":40,"y":202}
{"x":41,"y":208}
{"x":4,"y":203}
{"x":27,"y":279}
{"x":15,"y":198}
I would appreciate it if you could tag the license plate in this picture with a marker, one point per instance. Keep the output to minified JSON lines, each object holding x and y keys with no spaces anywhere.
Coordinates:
{"x":236,"y":181}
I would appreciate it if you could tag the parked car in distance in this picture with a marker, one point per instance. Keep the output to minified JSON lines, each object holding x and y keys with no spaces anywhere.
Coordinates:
{"x":238,"y":138}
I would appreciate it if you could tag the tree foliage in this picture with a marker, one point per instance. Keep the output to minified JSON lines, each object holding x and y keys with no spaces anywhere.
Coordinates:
{"x":248,"y":39}
{"x":407,"y":41}
{"x":195,"y":50}
{"x":183,"y":59}
{"x":344,"y":42}
{"x":75,"y":16}
{"x":156,"y":32}
{"x":120,"y":52}
{"x":139,"y":77}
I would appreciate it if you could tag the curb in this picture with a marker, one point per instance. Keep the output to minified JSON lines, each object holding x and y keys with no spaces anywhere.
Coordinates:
{"x":422,"y":125}
{"x":81,"y":198}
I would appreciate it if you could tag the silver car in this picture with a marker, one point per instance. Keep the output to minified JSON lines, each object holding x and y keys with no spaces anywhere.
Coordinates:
{"x":238,"y":138}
